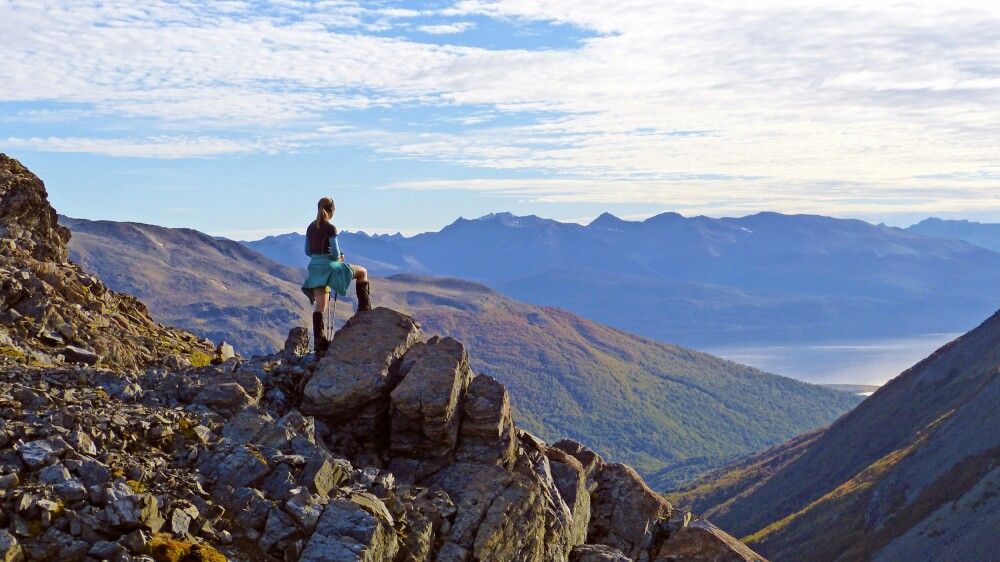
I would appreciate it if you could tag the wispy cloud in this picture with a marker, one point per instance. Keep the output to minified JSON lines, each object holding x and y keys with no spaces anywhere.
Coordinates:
{"x":790,"y":102}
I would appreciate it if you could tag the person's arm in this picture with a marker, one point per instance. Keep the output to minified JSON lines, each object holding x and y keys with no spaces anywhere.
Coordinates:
{"x":334,"y":247}
{"x":308,"y":253}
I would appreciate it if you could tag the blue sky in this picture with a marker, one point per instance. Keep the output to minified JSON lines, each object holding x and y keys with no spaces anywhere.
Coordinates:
{"x":234,"y":117}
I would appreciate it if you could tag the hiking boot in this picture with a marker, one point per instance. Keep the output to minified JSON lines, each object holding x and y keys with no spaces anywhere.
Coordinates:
{"x":319,"y":334}
{"x":364,"y":296}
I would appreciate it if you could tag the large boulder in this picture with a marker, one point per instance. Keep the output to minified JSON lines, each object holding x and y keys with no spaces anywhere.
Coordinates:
{"x":696,"y":540}
{"x":361,"y":366}
{"x":626,"y":514}
{"x":355,"y":530}
{"x":426,"y":406}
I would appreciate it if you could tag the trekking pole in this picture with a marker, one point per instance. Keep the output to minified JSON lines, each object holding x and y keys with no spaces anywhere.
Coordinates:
{"x":330,"y":324}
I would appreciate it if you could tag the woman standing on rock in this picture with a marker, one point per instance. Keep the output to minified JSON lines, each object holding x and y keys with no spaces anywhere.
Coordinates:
{"x":328,"y":270}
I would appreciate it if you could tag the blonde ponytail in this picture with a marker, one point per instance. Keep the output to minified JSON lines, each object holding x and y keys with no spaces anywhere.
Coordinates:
{"x":324,"y":210}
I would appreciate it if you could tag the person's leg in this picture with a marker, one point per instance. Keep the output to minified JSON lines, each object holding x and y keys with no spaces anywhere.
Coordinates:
{"x":322,"y":297}
{"x":362,"y":288}
{"x":360,"y":273}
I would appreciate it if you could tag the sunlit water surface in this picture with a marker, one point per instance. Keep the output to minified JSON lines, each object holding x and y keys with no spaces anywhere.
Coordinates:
{"x":859,"y":362}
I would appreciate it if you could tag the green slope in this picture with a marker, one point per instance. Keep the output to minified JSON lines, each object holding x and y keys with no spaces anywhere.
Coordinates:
{"x":671,"y":412}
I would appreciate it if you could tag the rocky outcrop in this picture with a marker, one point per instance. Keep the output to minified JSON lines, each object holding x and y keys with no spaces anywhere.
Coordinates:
{"x":388,"y":449}
{"x":52,"y":312}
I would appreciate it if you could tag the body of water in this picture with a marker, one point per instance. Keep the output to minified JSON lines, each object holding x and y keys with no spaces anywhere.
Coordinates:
{"x":872,"y":361}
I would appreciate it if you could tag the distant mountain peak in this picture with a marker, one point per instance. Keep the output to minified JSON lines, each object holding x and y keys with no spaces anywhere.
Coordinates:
{"x":607,"y":220}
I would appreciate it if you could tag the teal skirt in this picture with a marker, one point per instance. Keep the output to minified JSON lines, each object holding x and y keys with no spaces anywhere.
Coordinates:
{"x":324,"y":271}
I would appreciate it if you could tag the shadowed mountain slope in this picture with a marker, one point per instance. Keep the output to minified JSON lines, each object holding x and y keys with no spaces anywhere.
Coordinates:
{"x":671,"y":412}
{"x":913,"y":473}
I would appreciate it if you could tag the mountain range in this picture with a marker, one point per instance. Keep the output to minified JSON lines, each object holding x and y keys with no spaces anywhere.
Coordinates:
{"x":670,"y":411}
{"x":765,"y":278}
{"x":986,"y":235}
{"x":912,"y":473}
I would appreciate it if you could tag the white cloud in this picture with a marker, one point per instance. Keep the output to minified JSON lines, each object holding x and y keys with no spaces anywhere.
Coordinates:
{"x":794,"y":103}
{"x":447,"y":28}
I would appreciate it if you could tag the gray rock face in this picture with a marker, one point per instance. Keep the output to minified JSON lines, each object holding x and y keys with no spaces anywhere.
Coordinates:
{"x":426,"y":406}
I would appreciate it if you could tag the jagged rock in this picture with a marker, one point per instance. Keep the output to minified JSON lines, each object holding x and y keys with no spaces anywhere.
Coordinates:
{"x":278,"y":485}
{"x":297,"y":343}
{"x":10,"y":549}
{"x":53,"y":474}
{"x":181,"y":520}
{"x":74,"y":354}
{"x":597,"y":553}
{"x":234,"y":465}
{"x":246,"y":425}
{"x":224,"y":352}
{"x":426,"y":405}
{"x":71,"y":490}
{"x":305,"y":509}
{"x":350,"y":532}
{"x":570,"y":479}
{"x":589,"y":460}
{"x":423,"y":515}
{"x":487,"y":428}
{"x":625,"y":513}
{"x":279,"y":527}
{"x":35,"y":454}
{"x":107,"y":550}
{"x":248,"y":506}
{"x":93,"y":473}
{"x":8,"y":481}
{"x":323,"y":473}
{"x":228,"y":396}
{"x":25,"y":214}
{"x":127,"y":510}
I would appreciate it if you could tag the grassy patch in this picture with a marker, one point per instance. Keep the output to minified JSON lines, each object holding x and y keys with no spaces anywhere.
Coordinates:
{"x":137,"y":487}
{"x":164,"y":548}
{"x":12,"y":352}
{"x":199,"y":359}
